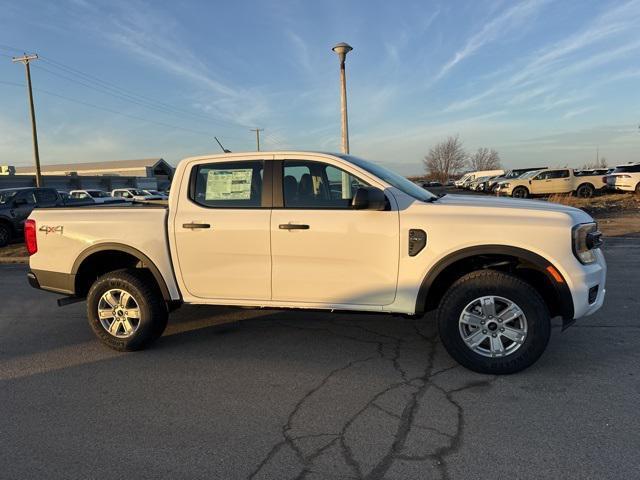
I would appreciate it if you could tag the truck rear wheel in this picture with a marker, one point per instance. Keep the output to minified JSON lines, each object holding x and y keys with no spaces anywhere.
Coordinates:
{"x":520,"y":192}
{"x":126,"y":310}
{"x":491,"y":322}
{"x":585,"y":191}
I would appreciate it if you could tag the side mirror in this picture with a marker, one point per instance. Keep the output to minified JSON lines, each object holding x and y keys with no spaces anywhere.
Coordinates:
{"x":369,"y":198}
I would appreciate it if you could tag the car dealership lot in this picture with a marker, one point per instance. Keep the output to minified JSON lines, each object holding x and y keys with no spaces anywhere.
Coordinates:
{"x":270,"y":394}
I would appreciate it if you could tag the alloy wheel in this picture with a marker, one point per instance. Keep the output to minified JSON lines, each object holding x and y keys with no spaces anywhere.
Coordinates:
{"x":493,"y":326}
{"x":119,"y":313}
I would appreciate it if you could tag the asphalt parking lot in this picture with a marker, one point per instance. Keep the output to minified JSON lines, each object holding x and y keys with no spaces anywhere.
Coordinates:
{"x":240,"y":394}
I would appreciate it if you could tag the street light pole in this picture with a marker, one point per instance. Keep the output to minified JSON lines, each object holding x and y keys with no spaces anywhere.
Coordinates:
{"x":342,"y":49}
{"x":26,"y":59}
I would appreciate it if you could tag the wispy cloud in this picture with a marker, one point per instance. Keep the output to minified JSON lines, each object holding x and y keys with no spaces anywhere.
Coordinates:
{"x":579,"y":111}
{"x":504,"y":23}
{"x":549,"y":67}
{"x":301,"y":51}
{"x":148,"y":34}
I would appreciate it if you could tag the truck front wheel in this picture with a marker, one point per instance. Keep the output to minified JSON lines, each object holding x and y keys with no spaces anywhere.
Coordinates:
{"x":126,"y":310}
{"x":492,"y":322}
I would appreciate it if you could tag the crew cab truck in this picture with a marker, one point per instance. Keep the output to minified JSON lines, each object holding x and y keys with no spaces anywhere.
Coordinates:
{"x":322,"y":231}
{"x":550,"y":181}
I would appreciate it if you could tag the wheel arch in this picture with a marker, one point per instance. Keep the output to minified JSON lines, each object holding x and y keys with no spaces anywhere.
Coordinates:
{"x":109,"y":257}
{"x":525,"y":264}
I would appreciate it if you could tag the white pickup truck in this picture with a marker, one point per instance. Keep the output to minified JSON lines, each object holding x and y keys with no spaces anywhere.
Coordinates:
{"x":333,"y":232}
{"x":550,"y":181}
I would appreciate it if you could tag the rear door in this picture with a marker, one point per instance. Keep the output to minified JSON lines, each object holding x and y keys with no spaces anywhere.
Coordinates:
{"x":47,"y":197}
{"x":323,"y":251}
{"x":221,"y":229}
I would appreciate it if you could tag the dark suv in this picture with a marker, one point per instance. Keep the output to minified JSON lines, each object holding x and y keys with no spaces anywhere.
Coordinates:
{"x":16,"y":205}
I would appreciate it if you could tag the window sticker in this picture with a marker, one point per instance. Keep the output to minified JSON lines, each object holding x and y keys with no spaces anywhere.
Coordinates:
{"x":229,"y":184}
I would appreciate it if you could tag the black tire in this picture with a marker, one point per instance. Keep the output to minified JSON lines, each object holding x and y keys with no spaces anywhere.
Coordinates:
{"x":585,"y":190}
{"x":141,"y":285}
{"x":520,"y":192}
{"x":5,"y":235}
{"x":490,"y":282}
{"x":638,"y":189}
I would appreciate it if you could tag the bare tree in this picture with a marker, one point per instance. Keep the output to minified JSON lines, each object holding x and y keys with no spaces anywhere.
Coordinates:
{"x":601,"y":162}
{"x":445,"y":159}
{"x":484,"y":159}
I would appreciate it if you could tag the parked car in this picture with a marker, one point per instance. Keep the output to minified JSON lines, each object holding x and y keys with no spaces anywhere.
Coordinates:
{"x":16,"y":205}
{"x":514,"y":173}
{"x":163,"y":196}
{"x":256,"y":232}
{"x":133,"y":194}
{"x":550,"y":181}
{"x":98,"y":196}
{"x":624,"y":178}
{"x":430,"y":183}
{"x":468,"y":178}
{"x":477,"y":185}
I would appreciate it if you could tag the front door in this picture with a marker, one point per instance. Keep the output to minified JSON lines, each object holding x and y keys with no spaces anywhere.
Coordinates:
{"x":323,"y":251}
{"x":222,"y":232}
{"x":551,"y":181}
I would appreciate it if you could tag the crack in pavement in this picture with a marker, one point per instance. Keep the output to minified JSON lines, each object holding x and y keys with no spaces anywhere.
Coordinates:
{"x":345,"y":447}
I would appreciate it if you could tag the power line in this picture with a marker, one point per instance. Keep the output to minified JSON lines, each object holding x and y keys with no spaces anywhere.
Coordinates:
{"x":87,"y":80}
{"x":115,"y":89}
{"x":106,"y":109}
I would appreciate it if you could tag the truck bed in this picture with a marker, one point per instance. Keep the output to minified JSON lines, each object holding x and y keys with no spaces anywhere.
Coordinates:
{"x":66,"y":235}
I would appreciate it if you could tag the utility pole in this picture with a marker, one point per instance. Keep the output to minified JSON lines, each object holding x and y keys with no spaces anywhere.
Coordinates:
{"x":26,"y":59}
{"x":257,"y":130}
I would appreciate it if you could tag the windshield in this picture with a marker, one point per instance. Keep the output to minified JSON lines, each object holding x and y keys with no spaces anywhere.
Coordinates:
{"x":530,"y":174}
{"x":392,"y":178}
{"x":6,"y":196}
{"x":98,"y":194}
{"x":627,"y":169}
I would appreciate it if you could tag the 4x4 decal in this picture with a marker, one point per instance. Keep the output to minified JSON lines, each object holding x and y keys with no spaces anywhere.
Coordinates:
{"x":47,"y":229}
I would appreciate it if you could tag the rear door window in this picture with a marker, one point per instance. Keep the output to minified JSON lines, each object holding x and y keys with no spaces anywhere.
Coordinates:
{"x":46,"y":198}
{"x":228,"y":184}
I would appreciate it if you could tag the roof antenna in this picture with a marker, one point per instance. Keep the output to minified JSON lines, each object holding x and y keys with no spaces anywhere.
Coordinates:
{"x":223,"y":149}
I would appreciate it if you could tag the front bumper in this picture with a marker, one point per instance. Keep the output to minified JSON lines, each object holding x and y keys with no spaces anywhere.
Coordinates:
{"x":585,"y":278}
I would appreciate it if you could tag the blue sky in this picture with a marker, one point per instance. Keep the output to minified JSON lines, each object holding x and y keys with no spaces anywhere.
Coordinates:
{"x":543,"y":82}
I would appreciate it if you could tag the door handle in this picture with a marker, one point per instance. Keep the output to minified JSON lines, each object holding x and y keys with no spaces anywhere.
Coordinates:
{"x":195,"y":225}
{"x":293,"y":226}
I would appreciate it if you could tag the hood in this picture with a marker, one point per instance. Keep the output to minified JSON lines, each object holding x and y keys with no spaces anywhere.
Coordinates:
{"x":476,"y":201}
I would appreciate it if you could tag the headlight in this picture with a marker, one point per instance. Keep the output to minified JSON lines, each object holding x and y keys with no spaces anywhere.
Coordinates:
{"x":586,"y":238}
{"x":504,"y":185}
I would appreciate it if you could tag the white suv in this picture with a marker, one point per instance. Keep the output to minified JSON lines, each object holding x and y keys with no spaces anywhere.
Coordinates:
{"x":625,"y":178}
